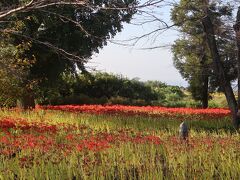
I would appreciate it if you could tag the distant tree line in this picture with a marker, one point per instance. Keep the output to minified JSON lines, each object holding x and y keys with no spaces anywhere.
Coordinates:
{"x":104,"y":88}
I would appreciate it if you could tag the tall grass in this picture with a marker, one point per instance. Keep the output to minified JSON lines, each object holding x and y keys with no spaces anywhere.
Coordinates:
{"x":212,"y":151}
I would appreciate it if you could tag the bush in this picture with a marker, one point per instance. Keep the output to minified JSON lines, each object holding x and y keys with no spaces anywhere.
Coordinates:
{"x":103,"y":88}
{"x":175,"y":104}
{"x":78,"y":99}
{"x":119,"y":100}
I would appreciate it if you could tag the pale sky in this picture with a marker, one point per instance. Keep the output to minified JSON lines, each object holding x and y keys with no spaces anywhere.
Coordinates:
{"x":144,"y":64}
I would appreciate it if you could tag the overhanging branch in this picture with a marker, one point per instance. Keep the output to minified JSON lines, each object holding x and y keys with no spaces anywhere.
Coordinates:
{"x":37,"y":4}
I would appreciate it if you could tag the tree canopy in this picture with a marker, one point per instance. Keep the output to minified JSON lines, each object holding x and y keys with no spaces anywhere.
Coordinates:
{"x":191,"y":53}
{"x":64,"y":38}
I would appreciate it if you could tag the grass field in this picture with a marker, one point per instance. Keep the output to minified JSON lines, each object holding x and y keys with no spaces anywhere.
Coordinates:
{"x":50,"y":144}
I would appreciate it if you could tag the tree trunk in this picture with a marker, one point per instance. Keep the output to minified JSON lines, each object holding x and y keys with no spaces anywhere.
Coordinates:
{"x":204,"y":78}
{"x":237,"y":31}
{"x":205,"y":91}
{"x":26,"y":102}
{"x":218,"y":67}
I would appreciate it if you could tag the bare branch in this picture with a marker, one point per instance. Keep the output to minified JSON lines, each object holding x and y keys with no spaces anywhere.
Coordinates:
{"x":21,"y":8}
{"x":167,"y":46}
{"x":72,"y":21}
{"x":38,"y":4}
{"x":135,"y":40}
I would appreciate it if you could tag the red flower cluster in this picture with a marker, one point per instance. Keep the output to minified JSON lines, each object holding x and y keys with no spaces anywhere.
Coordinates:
{"x":33,"y":142}
{"x":7,"y":123}
{"x":19,"y":134}
{"x":136,"y":110}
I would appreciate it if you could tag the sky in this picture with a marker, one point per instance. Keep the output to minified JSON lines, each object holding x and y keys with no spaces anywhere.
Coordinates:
{"x":145,"y":64}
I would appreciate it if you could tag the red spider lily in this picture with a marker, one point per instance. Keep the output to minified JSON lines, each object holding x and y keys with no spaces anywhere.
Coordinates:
{"x":7,"y":123}
{"x":4,"y":140}
{"x":43,"y":137}
{"x":136,"y":110}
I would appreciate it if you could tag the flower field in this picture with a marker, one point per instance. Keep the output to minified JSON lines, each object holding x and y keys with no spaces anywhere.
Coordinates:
{"x":117,"y":142}
{"x":142,"y":111}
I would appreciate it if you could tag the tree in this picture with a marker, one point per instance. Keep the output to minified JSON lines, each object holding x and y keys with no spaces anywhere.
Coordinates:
{"x":191,"y":54}
{"x":71,"y":34}
{"x":222,"y":78}
{"x":237,"y":31}
{"x":218,"y":65}
{"x":13,"y":72}
{"x":194,"y":67}
{"x":8,"y":86}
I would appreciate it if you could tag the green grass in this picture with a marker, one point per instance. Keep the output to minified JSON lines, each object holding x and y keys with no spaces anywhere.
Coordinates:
{"x":211,"y":153}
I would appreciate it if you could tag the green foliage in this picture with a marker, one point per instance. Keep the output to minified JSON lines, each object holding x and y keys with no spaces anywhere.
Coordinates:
{"x":62,"y":39}
{"x":190,"y":49}
{"x":218,"y":101}
{"x":47,"y":26}
{"x":191,"y":54}
{"x":12,"y":74}
{"x":170,"y":96}
{"x":103,"y":84}
{"x":104,"y":88}
{"x":101,"y":88}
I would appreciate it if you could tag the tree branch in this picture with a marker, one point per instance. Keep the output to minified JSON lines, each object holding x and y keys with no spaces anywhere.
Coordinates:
{"x":67,"y":55}
{"x":38,"y":4}
{"x":21,"y":8}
